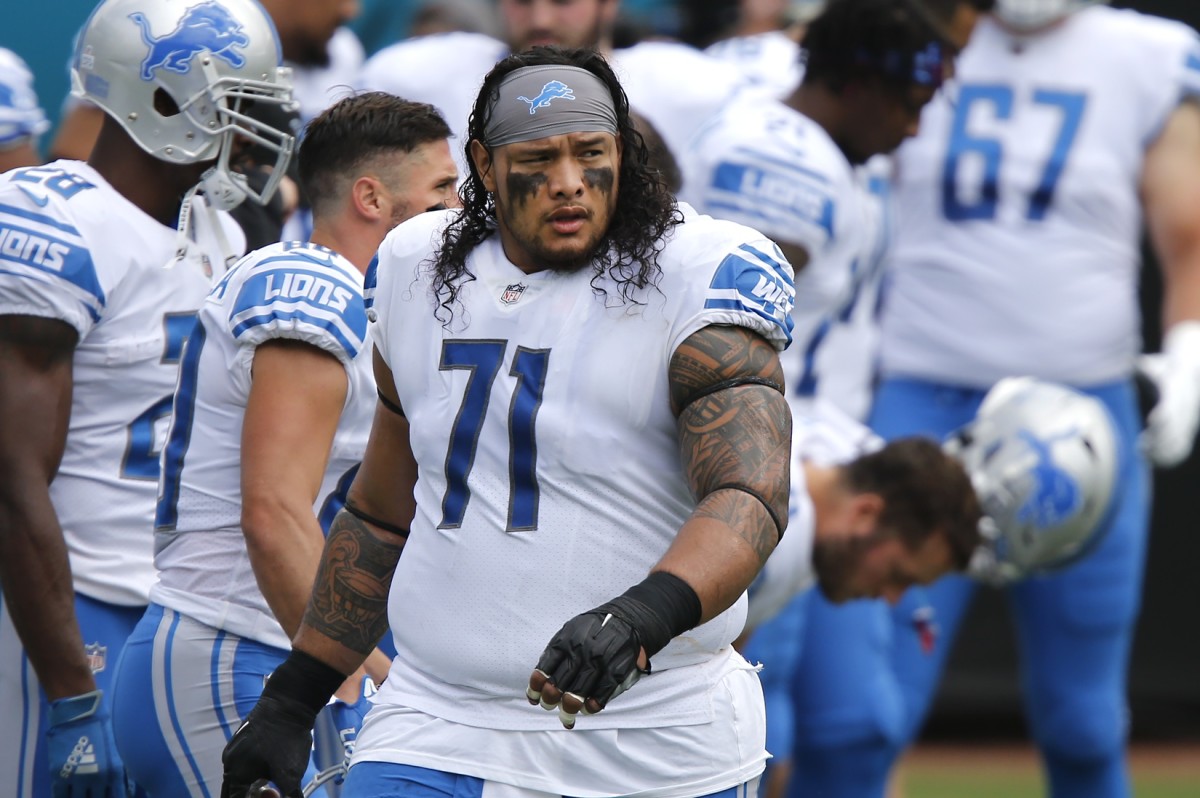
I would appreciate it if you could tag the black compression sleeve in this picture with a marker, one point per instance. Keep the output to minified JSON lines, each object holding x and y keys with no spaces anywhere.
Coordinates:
{"x":305,"y":680}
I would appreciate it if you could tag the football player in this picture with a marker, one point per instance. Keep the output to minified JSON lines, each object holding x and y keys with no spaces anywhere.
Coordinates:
{"x":270,"y":420}
{"x":103,"y":266}
{"x":1020,"y":208}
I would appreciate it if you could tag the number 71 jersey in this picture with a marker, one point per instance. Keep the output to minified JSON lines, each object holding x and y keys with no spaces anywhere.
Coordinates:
{"x":1018,"y":215}
{"x":550,"y":478}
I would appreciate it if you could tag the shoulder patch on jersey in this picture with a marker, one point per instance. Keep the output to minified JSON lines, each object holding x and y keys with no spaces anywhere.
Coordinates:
{"x":290,"y":300}
{"x":756,"y":281}
{"x":38,"y":247}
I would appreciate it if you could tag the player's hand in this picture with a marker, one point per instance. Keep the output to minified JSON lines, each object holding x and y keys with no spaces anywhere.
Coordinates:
{"x":273,"y":744}
{"x":593,"y":658}
{"x":1172,"y":423}
{"x":81,"y":751}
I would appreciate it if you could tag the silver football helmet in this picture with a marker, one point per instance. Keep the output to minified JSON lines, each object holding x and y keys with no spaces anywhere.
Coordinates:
{"x":1043,"y":460}
{"x":1027,"y":16}
{"x":179,"y":76}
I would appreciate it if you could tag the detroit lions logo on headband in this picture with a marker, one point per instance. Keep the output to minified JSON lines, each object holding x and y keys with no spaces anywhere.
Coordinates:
{"x":553,"y":90}
{"x":591,"y":107}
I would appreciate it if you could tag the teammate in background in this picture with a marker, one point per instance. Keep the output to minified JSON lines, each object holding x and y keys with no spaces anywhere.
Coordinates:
{"x":21,"y":118}
{"x":761,"y":41}
{"x":789,"y":168}
{"x":674,"y":88}
{"x":103,"y":267}
{"x":554,"y":347}
{"x":253,"y":462}
{"x":1020,"y":208}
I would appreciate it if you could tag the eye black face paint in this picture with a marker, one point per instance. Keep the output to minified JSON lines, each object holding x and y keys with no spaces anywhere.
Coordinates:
{"x":522,"y":187}
{"x":599,"y":179}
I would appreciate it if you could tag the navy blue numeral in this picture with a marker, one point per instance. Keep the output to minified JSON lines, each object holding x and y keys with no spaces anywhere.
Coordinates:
{"x":483,"y":358}
{"x":141,"y":452}
{"x":167,"y":512}
{"x":1001,"y":100}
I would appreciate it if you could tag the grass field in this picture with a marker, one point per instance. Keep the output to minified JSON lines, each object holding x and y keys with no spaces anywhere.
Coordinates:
{"x":1012,"y":772}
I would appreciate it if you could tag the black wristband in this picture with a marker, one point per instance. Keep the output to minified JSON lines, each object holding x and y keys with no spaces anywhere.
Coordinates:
{"x":659,"y":608}
{"x":305,"y":680}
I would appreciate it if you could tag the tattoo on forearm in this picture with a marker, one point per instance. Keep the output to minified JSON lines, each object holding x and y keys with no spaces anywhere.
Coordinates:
{"x":736,"y":436}
{"x":744,"y":514}
{"x":349,"y":601}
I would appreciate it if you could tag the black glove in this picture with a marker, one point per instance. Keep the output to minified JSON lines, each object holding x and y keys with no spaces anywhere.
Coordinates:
{"x":275,"y":741}
{"x":594,"y":655}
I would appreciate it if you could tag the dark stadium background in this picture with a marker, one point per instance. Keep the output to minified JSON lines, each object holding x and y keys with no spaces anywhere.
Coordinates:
{"x":979,"y":697}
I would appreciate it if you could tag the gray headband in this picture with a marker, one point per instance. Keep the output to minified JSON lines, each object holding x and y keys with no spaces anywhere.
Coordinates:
{"x":536,"y":102}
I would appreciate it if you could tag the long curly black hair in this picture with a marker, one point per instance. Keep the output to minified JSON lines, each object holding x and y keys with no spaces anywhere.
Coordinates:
{"x":645,"y":210}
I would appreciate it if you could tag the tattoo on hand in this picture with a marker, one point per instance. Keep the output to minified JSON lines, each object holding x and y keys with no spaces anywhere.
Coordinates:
{"x":349,"y":601}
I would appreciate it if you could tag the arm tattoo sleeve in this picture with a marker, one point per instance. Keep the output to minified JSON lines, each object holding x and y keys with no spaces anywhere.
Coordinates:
{"x":738,"y":437}
{"x":349,"y":600}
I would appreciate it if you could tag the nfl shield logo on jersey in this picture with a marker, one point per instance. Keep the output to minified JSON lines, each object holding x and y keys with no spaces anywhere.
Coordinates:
{"x":512,"y":294}
{"x":97,"y":656}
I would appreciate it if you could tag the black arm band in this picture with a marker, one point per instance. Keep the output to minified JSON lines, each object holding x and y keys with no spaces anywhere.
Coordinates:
{"x":732,"y":382}
{"x":390,"y":405}
{"x":305,"y":680}
{"x":780,"y":524}
{"x":659,"y":608}
{"x":384,"y":525}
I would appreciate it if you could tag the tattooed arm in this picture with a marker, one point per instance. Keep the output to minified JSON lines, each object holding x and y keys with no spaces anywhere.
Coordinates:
{"x":347,"y":613}
{"x":735,"y":442}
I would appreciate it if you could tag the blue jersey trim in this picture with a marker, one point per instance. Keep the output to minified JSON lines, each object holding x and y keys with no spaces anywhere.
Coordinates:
{"x":277,"y":314}
{"x":40,"y":218}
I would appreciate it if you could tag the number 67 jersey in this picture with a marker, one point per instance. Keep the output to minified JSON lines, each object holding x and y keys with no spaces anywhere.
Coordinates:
{"x":1018,"y":215}
{"x":73,"y":248}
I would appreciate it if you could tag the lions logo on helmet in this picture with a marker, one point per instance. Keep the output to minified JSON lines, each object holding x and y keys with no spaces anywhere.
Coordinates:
{"x":182,"y":94}
{"x":1043,"y":460}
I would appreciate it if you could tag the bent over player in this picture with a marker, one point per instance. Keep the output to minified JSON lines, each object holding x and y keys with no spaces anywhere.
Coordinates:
{"x":585,"y":423}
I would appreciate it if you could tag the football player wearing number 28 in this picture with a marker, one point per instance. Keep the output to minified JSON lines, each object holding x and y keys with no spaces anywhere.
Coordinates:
{"x":1019,"y":211}
{"x":586,"y":424}
{"x":102,"y":268}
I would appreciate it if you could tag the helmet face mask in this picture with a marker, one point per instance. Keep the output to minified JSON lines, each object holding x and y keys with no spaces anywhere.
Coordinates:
{"x":179,"y":78}
{"x":1028,"y":16}
{"x":1043,"y":460}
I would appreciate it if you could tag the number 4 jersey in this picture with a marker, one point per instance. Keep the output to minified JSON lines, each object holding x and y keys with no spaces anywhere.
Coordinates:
{"x":290,"y":291}
{"x":1017,"y":207}
{"x":72,"y":248}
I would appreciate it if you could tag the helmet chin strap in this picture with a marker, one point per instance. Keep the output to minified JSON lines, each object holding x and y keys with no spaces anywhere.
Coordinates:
{"x":184,"y":239}
{"x":222,"y":189}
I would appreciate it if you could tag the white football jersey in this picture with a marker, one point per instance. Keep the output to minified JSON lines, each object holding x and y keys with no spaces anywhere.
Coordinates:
{"x":824,"y":435}
{"x":1018,"y":211}
{"x":766,"y":165}
{"x":300,"y":292}
{"x":549,"y":471}
{"x":677,"y":88}
{"x":73,"y":248}
{"x":769,"y":62}
{"x":21,"y":118}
